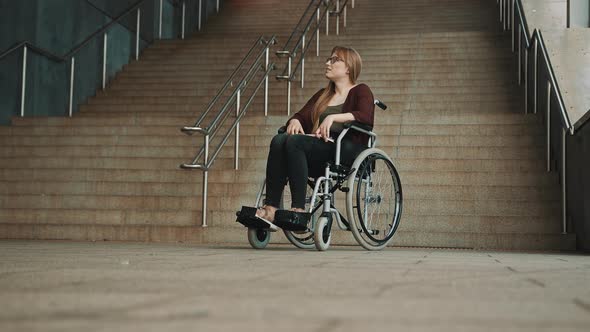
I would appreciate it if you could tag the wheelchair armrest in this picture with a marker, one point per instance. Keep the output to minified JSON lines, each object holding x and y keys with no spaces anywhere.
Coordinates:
{"x":358,"y":125}
{"x":282,"y":130}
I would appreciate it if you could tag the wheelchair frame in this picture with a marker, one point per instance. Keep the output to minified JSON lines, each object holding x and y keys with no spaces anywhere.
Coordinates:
{"x":324,"y":188}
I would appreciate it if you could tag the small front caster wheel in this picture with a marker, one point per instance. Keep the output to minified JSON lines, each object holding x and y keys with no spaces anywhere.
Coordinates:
{"x":322,"y":234}
{"x":258,"y":237}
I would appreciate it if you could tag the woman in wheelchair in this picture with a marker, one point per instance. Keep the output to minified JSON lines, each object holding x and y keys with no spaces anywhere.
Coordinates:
{"x":308,"y":143}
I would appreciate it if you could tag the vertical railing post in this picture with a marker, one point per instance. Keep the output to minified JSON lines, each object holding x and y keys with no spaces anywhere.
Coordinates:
{"x":23,"y":89}
{"x":512,"y":32}
{"x":205,"y":181}
{"x":137,"y":31}
{"x":519,"y":54}
{"x":512,"y":9}
{"x":563,"y":182}
{"x":160,"y":22}
{"x":71,"y":97}
{"x":548,"y":120}
{"x":104,"y":60}
{"x":217,"y":6}
{"x":502,"y":12}
{"x":266,"y":60}
{"x":237,"y":132}
{"x":327,"y":20}
{"x":200,"y":13}
{"x":303,"y":59}
{"x":289,"y":87}
{"x":505,"y":15}
{"x":510,"y":14}
{"x":317,"y":33}
{"x":526,"y":80}
{"x":535,"y":66}
{"x":352,"y":4}
{"x":337,"y":17}
{"x":183,"y":20}
{"x":345,"y":14}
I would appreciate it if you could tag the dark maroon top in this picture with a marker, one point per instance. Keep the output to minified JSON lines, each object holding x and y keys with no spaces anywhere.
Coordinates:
{"x":359,"y":102}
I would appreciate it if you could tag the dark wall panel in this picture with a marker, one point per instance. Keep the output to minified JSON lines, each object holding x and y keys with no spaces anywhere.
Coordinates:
{"x":58,"y":26}
{"x":578,"y":185}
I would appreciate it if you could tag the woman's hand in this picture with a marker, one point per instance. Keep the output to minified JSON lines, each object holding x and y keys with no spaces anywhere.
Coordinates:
{"x":323,"y":130}
{"x":295,"y":127}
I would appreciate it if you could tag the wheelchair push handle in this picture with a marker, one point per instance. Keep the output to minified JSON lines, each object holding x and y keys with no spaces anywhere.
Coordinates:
{"x":380,"y":104}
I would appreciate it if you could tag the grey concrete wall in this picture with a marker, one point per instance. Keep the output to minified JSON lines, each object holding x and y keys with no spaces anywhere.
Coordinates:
{"x":580,"y":13}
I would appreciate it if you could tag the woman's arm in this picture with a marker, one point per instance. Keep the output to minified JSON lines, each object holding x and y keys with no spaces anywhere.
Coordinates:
{"x":363,"y":107}
{"x":304,"y":116}
{"x":323,"y":130}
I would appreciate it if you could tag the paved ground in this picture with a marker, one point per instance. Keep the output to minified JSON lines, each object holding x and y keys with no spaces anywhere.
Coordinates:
{"x":62,"y":286}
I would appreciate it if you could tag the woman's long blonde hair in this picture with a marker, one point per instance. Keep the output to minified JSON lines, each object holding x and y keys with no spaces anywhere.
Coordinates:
{"x":354,"y":63}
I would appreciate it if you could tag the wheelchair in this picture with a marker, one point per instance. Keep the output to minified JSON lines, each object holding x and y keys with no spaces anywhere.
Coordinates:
{"x":373,"y":202}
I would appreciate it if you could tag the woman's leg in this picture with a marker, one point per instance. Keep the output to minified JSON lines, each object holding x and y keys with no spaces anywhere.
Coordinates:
{"x":302,"y":153}
{"x":276,"y":170}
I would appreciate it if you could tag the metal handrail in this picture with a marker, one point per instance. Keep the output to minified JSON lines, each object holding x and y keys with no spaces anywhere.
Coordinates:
{"x":302,"y":42}
{"x":339,"y":10}
{"x":213,"y":128}
{"x":62,"y":58}
{"x":289,"y":74}
{"x":227,"y":84}
{"x":533,"y":42}
{"x":295,"y":30}
{"x":25,"y":45}
{"x":239,"y":117}
{"x":537,"y":37}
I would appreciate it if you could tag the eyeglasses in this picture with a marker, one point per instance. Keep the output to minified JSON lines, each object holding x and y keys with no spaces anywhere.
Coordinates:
{"x":333,"y":59}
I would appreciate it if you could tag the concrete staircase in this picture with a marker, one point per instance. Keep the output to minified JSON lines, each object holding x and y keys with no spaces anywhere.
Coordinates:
{"x":470,"y":162}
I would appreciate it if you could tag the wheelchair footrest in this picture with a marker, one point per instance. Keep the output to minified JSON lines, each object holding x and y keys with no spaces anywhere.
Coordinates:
{"x":292,"y":221}
{"x":247,"y":217}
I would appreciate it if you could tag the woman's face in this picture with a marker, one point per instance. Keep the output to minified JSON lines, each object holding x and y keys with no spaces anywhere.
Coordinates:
{"x":336,"y":69}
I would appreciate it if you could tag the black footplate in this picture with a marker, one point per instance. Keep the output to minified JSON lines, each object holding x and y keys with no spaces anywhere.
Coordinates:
{"x":292,"y":221}
{"x":247,"y":217}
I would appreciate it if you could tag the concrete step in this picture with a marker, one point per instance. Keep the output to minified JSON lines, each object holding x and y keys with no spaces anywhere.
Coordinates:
{"x":437,"y":206}
{"x":126,"y":84}
{"x":248,"y":191}
{"x":253,"y":140}
{"x":31,"y":129}
{"x":280,"y":93}
{"x":237,"y":234}
{"x":525,"y":178}
{"x":502,"y":152}
{"x":277,"y":108}
{"x":246,"y":163}
{"x":181,"y":118}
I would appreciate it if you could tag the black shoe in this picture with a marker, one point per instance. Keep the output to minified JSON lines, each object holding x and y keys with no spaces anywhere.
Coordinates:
{"x":292,"y":221}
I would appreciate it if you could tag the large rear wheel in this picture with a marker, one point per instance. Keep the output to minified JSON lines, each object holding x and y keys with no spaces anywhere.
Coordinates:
{"x":374,"y":200}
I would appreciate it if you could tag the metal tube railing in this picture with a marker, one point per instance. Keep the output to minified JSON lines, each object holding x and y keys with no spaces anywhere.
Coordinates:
{"x":71,"y":96}
{"x":536,"y":41}
{"x":137,"y":25}
{"x":69,"y":56}
{"x":104,"y":60}
{"x":305,"y":13}
{"x":212,"y":128}
{"x":228,"y":82}
{"x":24,"y":83}
{"x":211,"y":131}
{"x":239,"y":117}
{"x":302,"y":45}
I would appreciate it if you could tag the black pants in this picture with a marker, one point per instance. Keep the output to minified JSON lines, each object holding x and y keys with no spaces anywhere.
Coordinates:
{"x":295,"y":158}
